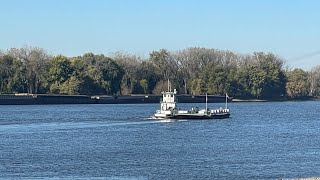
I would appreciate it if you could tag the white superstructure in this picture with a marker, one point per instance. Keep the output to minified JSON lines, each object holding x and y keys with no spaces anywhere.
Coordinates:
{"x":168,"y":103}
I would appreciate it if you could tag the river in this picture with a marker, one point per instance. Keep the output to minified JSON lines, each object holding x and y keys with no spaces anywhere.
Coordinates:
{"x":261,"y":140}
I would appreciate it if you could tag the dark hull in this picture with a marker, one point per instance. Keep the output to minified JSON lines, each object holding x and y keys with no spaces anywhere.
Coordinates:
{"x":220,"y":116}
{"x":200,"y":116}
{"x":189,"y":116}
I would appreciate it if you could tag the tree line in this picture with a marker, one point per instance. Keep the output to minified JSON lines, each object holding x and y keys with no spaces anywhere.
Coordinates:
{"x":193,"y":71}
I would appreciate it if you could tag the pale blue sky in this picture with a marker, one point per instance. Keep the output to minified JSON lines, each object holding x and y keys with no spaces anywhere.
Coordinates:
{"x":289,"y":28}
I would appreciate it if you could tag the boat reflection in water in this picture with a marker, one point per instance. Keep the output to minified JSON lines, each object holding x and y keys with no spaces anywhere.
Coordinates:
{"x":168,"y":109}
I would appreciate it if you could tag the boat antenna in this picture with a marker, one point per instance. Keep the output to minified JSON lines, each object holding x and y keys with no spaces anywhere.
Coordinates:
{"x":227,"y":100}
{"x":206,"y":102}
{"x":169,"y":86}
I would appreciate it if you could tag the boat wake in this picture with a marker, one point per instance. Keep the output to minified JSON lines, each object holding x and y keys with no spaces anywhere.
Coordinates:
{"x":165,"y":120}
{"x":63,"y":126}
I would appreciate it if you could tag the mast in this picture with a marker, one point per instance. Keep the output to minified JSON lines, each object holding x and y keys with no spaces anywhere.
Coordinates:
{"x":227,"y":101}
{"x":206,"y":103}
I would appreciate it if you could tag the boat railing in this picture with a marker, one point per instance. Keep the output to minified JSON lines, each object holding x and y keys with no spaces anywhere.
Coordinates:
{"x":216,"y":111}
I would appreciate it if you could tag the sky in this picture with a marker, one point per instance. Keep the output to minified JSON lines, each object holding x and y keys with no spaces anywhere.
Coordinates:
{"x":288,"y":28}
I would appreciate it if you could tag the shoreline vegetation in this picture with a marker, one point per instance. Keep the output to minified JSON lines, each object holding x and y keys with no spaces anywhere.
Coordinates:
{"x":195,"y":71}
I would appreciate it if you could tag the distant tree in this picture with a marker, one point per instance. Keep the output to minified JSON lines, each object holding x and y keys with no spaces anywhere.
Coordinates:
{"x":215,"y":78}
{"x":71,"y":86}
{"x":60,"y":71}
{"x":260,"y":76}
{"x":160,"y":87}
{"x":148,"y":76}
{"x":105,"y":73}
{"x":131,"y":65}
{"x":198,"y":87}
{"x":144,"y":85}
{"x":18,"y":82}
{"x":182,"y":61}
{"x":297,"y":85}
{"x":6,"y":72}
{"x":165,"y":63}
{"x":314,"y":80}
{"x":273,"y":74}
{"x":242,"y":83}
{"x":215,"y":68}
{"x":36,"y":62}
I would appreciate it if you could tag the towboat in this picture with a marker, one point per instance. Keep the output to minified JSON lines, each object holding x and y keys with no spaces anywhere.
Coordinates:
{"x":169,"y":110}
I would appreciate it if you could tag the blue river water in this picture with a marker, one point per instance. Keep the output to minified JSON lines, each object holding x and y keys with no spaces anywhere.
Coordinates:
{"x":266,"y":140}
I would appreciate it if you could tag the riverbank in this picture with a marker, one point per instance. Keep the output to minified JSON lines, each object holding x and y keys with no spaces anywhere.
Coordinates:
{"x":30,"y":99}
{"x":248,"y":100}
{"x":282,"y":99}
